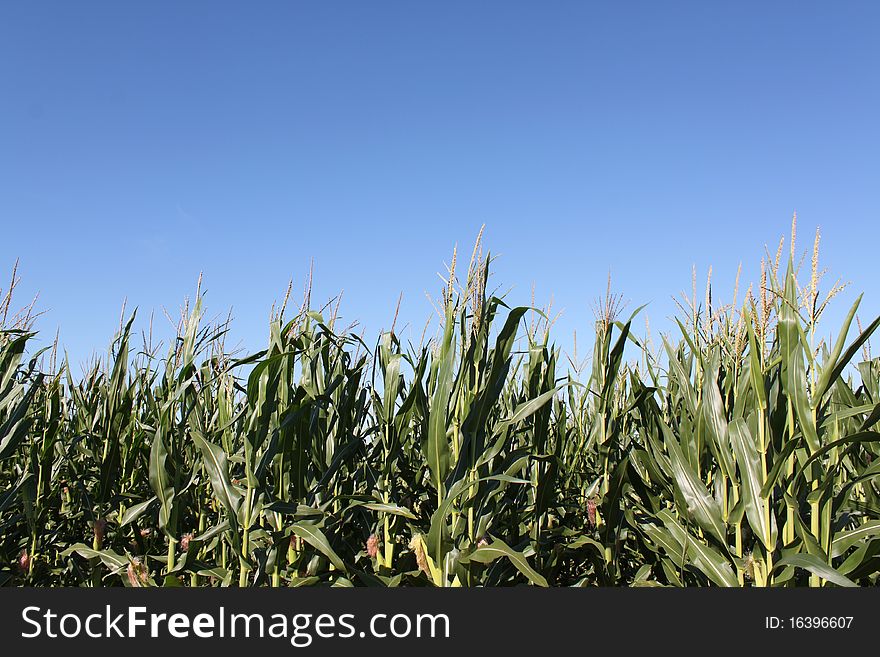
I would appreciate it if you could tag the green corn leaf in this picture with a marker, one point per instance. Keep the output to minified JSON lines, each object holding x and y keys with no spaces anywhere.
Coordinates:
{"x":109,"y":558}
{"x":711,"y":563}
{"x":816,"y":566}
{"x":437,"y":448}
{"x":795,"y":379}
{"x":700,"y":505}
{"x":215,"y":462}
{"x":161,"y":484}
{"x":844,"y":540}
{"x":132,"y":513}
{"x":499,"y":548}
{"x":316,"y":538}
{"x":758,"y":512}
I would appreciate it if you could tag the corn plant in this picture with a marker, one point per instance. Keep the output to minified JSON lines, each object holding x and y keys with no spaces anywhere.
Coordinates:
{"x":742,"y":453}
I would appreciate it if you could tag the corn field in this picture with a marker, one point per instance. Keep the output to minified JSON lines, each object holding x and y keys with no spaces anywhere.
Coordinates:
{"x":742,"y":451}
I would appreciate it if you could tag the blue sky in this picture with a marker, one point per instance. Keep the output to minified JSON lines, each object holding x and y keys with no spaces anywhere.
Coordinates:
{"x":142,"y":143}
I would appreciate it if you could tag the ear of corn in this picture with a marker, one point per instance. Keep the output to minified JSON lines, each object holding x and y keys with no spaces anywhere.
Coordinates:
{"x":745,"y":455}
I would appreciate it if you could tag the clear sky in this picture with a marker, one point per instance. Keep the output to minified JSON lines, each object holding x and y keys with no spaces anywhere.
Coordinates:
{"x":144,"y":142}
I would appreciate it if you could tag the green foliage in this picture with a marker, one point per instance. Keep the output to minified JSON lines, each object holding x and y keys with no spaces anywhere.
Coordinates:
{"x":746,"y":456}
